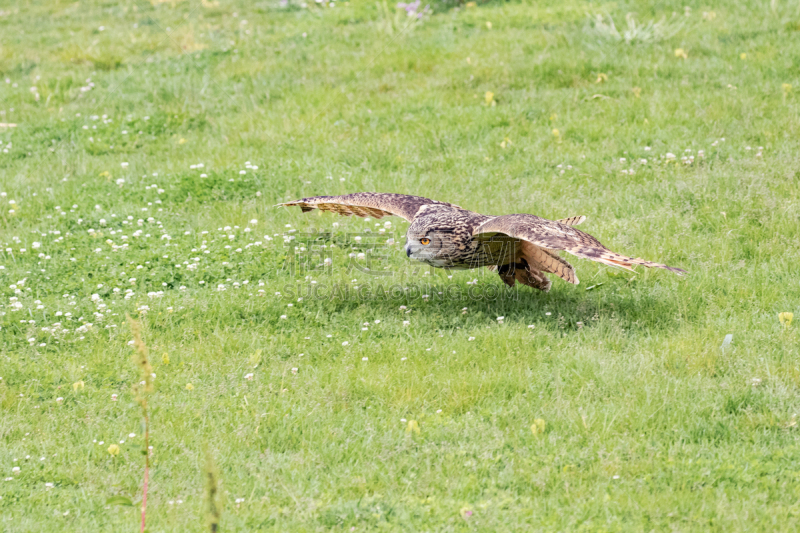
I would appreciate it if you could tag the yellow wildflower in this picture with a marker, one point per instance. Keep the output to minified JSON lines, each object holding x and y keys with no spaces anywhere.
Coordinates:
{"x":189,"y":386}
{"x":786,"y":319}
{"x":601,"y":78}
{"x":743,"y":56}
{"x":488,"y":25}
{"x":556,"y":133}
{"x":113,"y":450}
{"x":78,"y":385}
{"x":537,"y":428}
{"x":489,"y":97}
{"x":413,"y":427}
{"x":165,"y":358}
{"x":680,"y":52}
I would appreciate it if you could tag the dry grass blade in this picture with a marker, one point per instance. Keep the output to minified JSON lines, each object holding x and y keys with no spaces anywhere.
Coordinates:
{"x":213,"y":498}
{"x":141,"y":389}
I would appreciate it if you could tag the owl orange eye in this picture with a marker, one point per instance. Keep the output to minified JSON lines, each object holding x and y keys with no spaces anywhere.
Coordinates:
{"x":426,"y":241}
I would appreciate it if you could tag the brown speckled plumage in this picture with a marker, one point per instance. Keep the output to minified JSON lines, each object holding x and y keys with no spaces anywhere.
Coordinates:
{"x":368,"y":204}
{"x":520,"y":247}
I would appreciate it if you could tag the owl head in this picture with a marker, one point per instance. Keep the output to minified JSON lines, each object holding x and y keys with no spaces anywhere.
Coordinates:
{"x":436,"y":246}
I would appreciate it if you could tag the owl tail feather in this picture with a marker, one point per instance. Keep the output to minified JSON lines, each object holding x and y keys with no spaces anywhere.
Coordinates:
{"x":607,"y":257}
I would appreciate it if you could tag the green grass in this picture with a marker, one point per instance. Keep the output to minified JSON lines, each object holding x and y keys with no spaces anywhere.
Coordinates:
{"x":650,"y":425}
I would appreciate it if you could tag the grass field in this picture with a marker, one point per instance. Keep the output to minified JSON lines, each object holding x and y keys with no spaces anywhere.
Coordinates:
{"x":145,"y":143}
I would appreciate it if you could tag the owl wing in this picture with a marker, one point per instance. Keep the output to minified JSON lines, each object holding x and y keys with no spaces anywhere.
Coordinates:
{"x":367,"y":204}
{"x":556,"y":235}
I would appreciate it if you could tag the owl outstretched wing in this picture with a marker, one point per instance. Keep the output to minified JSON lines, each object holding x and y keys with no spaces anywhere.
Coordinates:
{"x":368,"y":204}
{"x":558,"y":235}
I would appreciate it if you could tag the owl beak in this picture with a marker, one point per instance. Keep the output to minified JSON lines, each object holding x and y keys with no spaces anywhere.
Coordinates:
{"x":408,"y":251}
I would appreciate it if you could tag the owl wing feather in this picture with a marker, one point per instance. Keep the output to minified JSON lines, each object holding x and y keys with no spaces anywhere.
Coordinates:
{"x":556,"y":235}
{"x":367,"y":204}
{"x":572,"y":221}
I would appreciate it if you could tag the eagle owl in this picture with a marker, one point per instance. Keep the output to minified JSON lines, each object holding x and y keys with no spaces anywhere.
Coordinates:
{"x":519,"y":247}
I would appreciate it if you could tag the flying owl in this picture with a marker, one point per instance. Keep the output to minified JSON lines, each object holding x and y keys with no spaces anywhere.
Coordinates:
{"x":519,"y":247}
